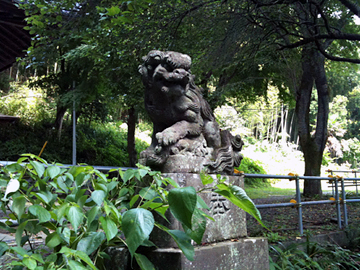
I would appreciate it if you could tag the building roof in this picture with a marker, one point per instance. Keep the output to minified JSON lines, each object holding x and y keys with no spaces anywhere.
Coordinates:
{"x":14,"y":40}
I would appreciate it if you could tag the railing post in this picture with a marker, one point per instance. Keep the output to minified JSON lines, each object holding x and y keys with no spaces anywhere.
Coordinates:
{"x":298,"y":199}
{"x":338,"y":214}
{"x":344,"y":201}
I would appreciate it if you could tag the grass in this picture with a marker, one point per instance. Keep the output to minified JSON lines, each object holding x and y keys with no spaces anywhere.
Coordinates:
{"x":266,"y":192}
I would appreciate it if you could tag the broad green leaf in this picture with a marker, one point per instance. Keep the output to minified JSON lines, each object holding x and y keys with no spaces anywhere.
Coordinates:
{"x":148,"y":193}
{"x":53,"y":240}
{"x":78,"y":254}
{"x":3,"y":248}
{"x":15,"y":167}
{"x":134,"y":200}
{"x":91,"y":242}
{"x":20,"y":250}
{"x":238,"y":196}
{"x":111,"y":185}
{"x":37,"y":257}
{"x":144,"y":262}
{"x":128,"y":174}
{"x":98,"y":196}
{"x":109,"y":227}
{"x":40,"y":212}
{"x":91,"y":215}
{"x":19,"y":232}
{"x":201,"y":203}
{"x":184,"y":243}
{"x":61,"y":211}
{"x":74,"y":265}
{"x":143,"y":172}
{"x":29,"y":263}
{"x":39,"y":167}
{"x":65,"y":233}
{"x":199,"y":227}
{"x":75,"y":216}
{"x":137,"y":224}
{"x":206,"y":179}
{"x":83,"y":256}
{"x":182,"y":202}
{"x":18,"y":206}
{"x":172,"y":182}
{"x":46,"y":196}
{"x":52,"y":171}
{"x":114,"y":10}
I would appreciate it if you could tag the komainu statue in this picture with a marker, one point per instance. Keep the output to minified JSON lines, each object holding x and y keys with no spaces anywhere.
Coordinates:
{"x":186,"y":138}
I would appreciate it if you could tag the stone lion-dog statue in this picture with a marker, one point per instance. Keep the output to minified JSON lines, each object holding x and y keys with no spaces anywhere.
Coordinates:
{"x":186,"y":137}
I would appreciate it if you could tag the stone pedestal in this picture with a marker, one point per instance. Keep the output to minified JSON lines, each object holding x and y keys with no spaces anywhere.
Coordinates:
{"x":225,"y":245}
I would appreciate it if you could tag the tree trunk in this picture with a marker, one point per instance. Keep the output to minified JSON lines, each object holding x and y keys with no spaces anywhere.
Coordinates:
{"x":60,"y":112}
{"x":131,"y":122}
{"x":312,"y":145}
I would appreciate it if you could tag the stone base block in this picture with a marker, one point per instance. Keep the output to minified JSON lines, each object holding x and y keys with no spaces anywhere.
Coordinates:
{"x":230,"y":221}
{"x":246,"y":253}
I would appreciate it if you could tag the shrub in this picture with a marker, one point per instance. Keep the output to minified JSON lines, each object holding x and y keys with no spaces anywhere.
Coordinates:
{"x":82,"y":212}
{"x":253,"y":167}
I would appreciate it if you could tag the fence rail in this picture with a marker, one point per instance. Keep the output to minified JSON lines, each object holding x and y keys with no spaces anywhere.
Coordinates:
{"x":299,"y":204}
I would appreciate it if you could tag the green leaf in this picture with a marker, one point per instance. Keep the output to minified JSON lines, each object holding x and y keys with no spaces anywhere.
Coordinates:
{"x":199,"y":227}
{"x":182,"y":202}
{"x":18,"y":206}
{"x":75,"y":216}
{"x":109,"y":227}
{"x":74,"y":265}
{"x":238,"y":196}
{"x":98,"y":196}
{"x":128,"y":174}
{"x":83,"y":256}
{"x":148,"y":193}
{"x":65,"y":233}
{"x":144,"y":262}
{"x":19,"y":250}
{"x":40,"y":212}
{"x":29,"y":263}
{"x":19,"y":233}
{"x":184,"y":243}
{"x":39,"y":167}
{"x":3,"y":248}
{"x":201,"y":203}
{"x":114,"y":10}
{"x":46,"y":196}
{"x":53,"y":240}
{"x":61,"y":183}
{"x":91,"y":215}
{"x":133,"y":200}
{"x":91,"y":242}
{"x":137,"y":224}
{"x":52,"y":171}
{"x":206,"y":179}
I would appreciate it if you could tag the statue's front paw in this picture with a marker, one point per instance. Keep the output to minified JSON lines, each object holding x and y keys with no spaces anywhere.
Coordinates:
{"x":167,"y":137}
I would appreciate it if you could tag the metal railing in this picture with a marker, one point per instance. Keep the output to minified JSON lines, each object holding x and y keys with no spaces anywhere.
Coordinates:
{"x":353,"y":183}
{"x":299,"y":204}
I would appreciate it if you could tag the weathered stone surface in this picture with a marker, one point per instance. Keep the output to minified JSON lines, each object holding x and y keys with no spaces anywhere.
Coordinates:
{"x":230,"y":221}
{"x":184,"y":125}
{"x":246,"y":253}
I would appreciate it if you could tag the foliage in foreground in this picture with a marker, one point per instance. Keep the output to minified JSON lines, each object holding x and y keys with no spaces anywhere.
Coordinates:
{"x":311,"y":255}
{"x":82,"y":212}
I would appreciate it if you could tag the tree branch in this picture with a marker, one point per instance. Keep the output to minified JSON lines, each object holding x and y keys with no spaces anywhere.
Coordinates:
{"x":353,"y":7}
{"x":335,"y":58}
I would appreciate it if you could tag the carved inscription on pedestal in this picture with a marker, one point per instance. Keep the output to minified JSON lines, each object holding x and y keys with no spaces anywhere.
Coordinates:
{"x":218,"y":204}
